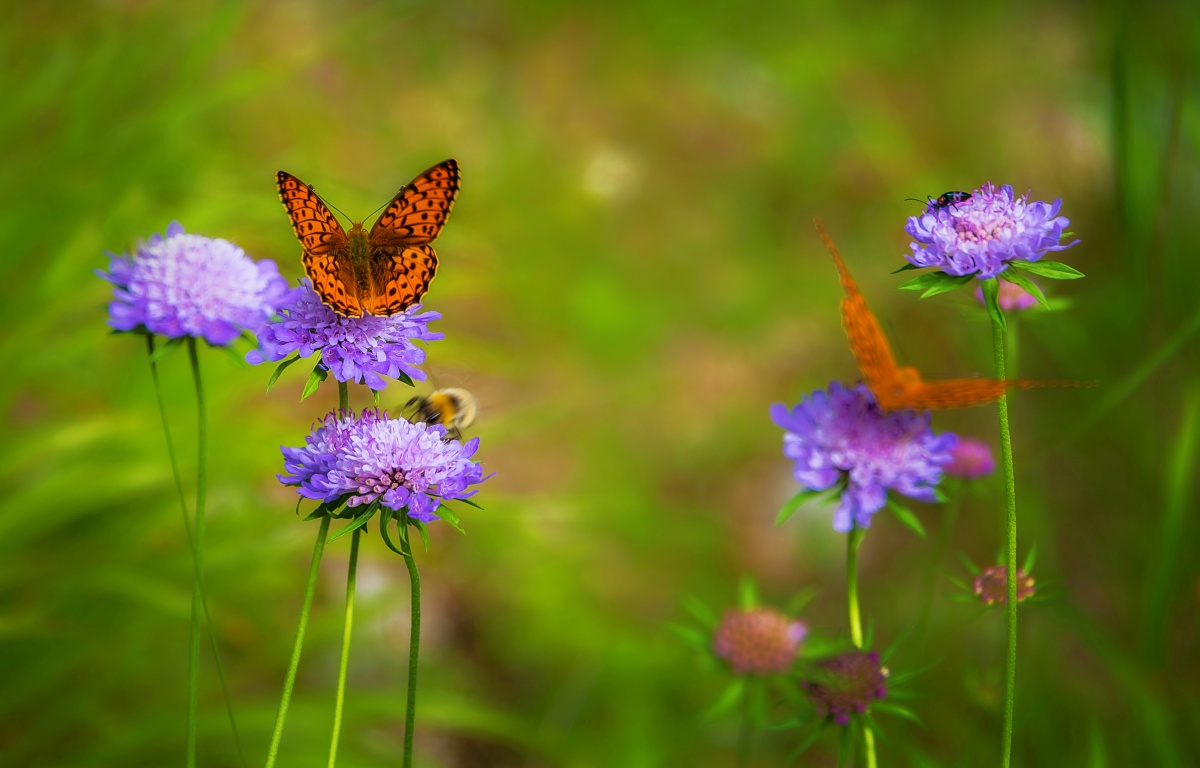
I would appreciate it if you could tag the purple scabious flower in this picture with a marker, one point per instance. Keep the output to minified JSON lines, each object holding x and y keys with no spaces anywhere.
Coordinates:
{"x":353,"y":349}
{"x":758,"y":641}
{"x":846,"y":685}
{"x":970,"y":458}
{"x":359,"y":460}
{"x":841,"y":435}
{"x":188,"y":285}
{"x":981,"y":235}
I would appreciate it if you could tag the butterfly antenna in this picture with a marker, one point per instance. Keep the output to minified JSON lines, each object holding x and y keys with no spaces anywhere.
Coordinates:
{"x":389,"y":202}
{"x":328,"y":204}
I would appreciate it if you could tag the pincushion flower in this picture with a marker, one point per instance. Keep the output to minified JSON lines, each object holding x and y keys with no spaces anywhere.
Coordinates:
{"x":353,"y":349}
{"x":970,"y":458}
{"x":371,"y":457}
{"x":842,"y":436}
{"x":846,"y":685}
{"x":991,"y":586}
{"x":758,"y":641}
{"x":980,"y":236}
{"x":188,"y":285}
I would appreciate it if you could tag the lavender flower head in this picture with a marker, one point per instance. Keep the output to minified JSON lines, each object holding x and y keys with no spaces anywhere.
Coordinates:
{"x":358,"y":460}
{"x":758,"y":641}
{"x":843,"y":436}
{"x":981,"y":235}
{"x":970,"y":458}
{"x":188,"y":285}
{"x":353,"y":349}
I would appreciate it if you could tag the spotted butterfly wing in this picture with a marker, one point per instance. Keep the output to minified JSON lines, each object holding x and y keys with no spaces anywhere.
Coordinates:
{"x":403,"y":262}
{"x":897,"y":388}
{"x":326,"y":247}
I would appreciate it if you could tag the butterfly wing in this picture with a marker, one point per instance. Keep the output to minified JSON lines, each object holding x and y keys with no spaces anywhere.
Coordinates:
{"x":400,"y":275}
{"x":867,"y":342}
{"x":953,"y":393}
{"x":403,"y":262}
{"x":326,"y":248}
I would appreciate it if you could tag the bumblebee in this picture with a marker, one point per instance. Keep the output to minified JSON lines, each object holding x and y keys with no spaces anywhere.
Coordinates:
{"x":452,"y":407}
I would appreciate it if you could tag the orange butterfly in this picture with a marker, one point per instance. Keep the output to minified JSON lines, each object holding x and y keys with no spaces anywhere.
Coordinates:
{"x":897,"y":388}
{"x":383,"y":271}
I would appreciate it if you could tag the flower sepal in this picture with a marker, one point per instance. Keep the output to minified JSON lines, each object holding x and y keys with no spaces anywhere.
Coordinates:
{"x":991,"y":300}
{"x":906,"y":516}
{"x":1053,"y":270}
{"x":808,"y":494}
{"x":934,"y":283}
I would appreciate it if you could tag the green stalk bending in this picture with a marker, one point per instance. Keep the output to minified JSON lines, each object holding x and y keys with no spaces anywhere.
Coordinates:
{"x":187,"y":529}
{"x":746,"y":733}
{"x":1010,"y":495}
{"x":856,"y":635}
{"x":414,"y":643}
{"x":351,"y":576}
{"x":294,"y":663}
{"x":197,"y":555}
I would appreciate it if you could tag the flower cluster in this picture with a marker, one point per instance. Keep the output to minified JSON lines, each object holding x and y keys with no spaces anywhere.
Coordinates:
{"x":758,"y":641}
{"x":353,"y":349}
{"x":359,"y":460}
{"x":188,"y":285}
{"x":846,"y":685}
{"x":970,"y":458}
{"x":992,"y":585}
{"x":979,"y":236}
{"x":841,"y":435}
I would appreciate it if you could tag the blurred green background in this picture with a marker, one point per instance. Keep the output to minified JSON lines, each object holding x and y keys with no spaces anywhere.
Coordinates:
{"x":629,"y":279}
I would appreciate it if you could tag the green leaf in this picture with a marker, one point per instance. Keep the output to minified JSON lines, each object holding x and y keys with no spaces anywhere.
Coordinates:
{"x":1055,"y":270}
{"x":798,"y":500}
{"x":1027,"y":566}
{"x":727,"y":701}
{"x":280,"y":369}
{"x":359,"y":522}
{"x":166,"y":349}
{"x":387,"y":539}
{"x":375,"y":395}
{"x":1033,"y":289}
{"x":906,"y":267}
{"x":405,"y":379}
{"x":808,"y":741}
{"x":424,"y":529}
{"x":450,"y":517}
{"x":939,"y":495}
{"x":991,"y":298}
{"x":698,"y":639}
{"x":968,"y":564}
{"x":469,"y":503}
{"x":933,"y":283}
{"x":800,"y":600}
{"x":747,"y":593}
{"x":906,"y":516}
{"x":699,"y":610}
{"x":318,"y":375}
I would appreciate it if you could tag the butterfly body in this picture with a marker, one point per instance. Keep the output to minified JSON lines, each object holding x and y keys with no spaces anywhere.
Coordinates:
{"x":898,"y":388}
{"x":381,"y":271}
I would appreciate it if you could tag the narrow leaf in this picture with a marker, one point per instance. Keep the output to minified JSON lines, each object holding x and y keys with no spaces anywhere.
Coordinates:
{"x":1055,"y":270}
{"x":450,"y":517}
{"x":166,"y":349}
{"x":906,"y":267}
{"x":922,"y":282}
{"x":387,"y":539}
{"x":318,"y":375}
{"x":423,"y":529}
{"x":991,"y":297}
{"x":727,"y":701}
{"x":358,"y":522}
{"x":1033,"y":289}
{"x":747,"y":593}
{"x":699,"y":611}
{"x":949,"y":283}
{"x":798,"y":500}
{"x":906,"y":517}
{"x":280,"y":369}
{"x":1030,"y":559}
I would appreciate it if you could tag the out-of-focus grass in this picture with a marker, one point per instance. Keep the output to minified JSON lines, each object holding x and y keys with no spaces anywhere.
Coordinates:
{"x":628,"y":280}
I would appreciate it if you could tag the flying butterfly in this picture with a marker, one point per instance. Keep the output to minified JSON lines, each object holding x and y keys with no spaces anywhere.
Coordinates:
{"x":386,"y":270}
{"x":898,"y":388}
{"x":453,"y":407}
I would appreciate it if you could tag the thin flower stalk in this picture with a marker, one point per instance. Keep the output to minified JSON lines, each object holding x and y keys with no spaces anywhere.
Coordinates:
{"x":853,"y":542}
{"x":414,"y":645}
{"x":348,"y":624}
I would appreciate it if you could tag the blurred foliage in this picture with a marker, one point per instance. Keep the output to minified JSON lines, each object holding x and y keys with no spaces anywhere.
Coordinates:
{"x":628,"y":280}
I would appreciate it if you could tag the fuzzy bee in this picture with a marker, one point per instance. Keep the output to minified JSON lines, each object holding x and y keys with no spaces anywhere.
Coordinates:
{"x":452,"y":407}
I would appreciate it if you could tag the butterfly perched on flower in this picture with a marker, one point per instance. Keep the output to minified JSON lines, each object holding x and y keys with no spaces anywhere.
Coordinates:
{"x":895,"y":387}
{"x":386,"y":270}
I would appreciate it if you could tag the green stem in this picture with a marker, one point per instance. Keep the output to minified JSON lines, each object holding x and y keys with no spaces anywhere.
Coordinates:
{"x":309,"y":590}
{"x":1010,"y":493}
{"x":343,"y":396}
{"x":414,"y":643}
{"x":197,"y":552}
{"x":853,"y":541}
{"x":351,"y":575}
{"x":187,"y":529}
{"x":746,"y":734}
